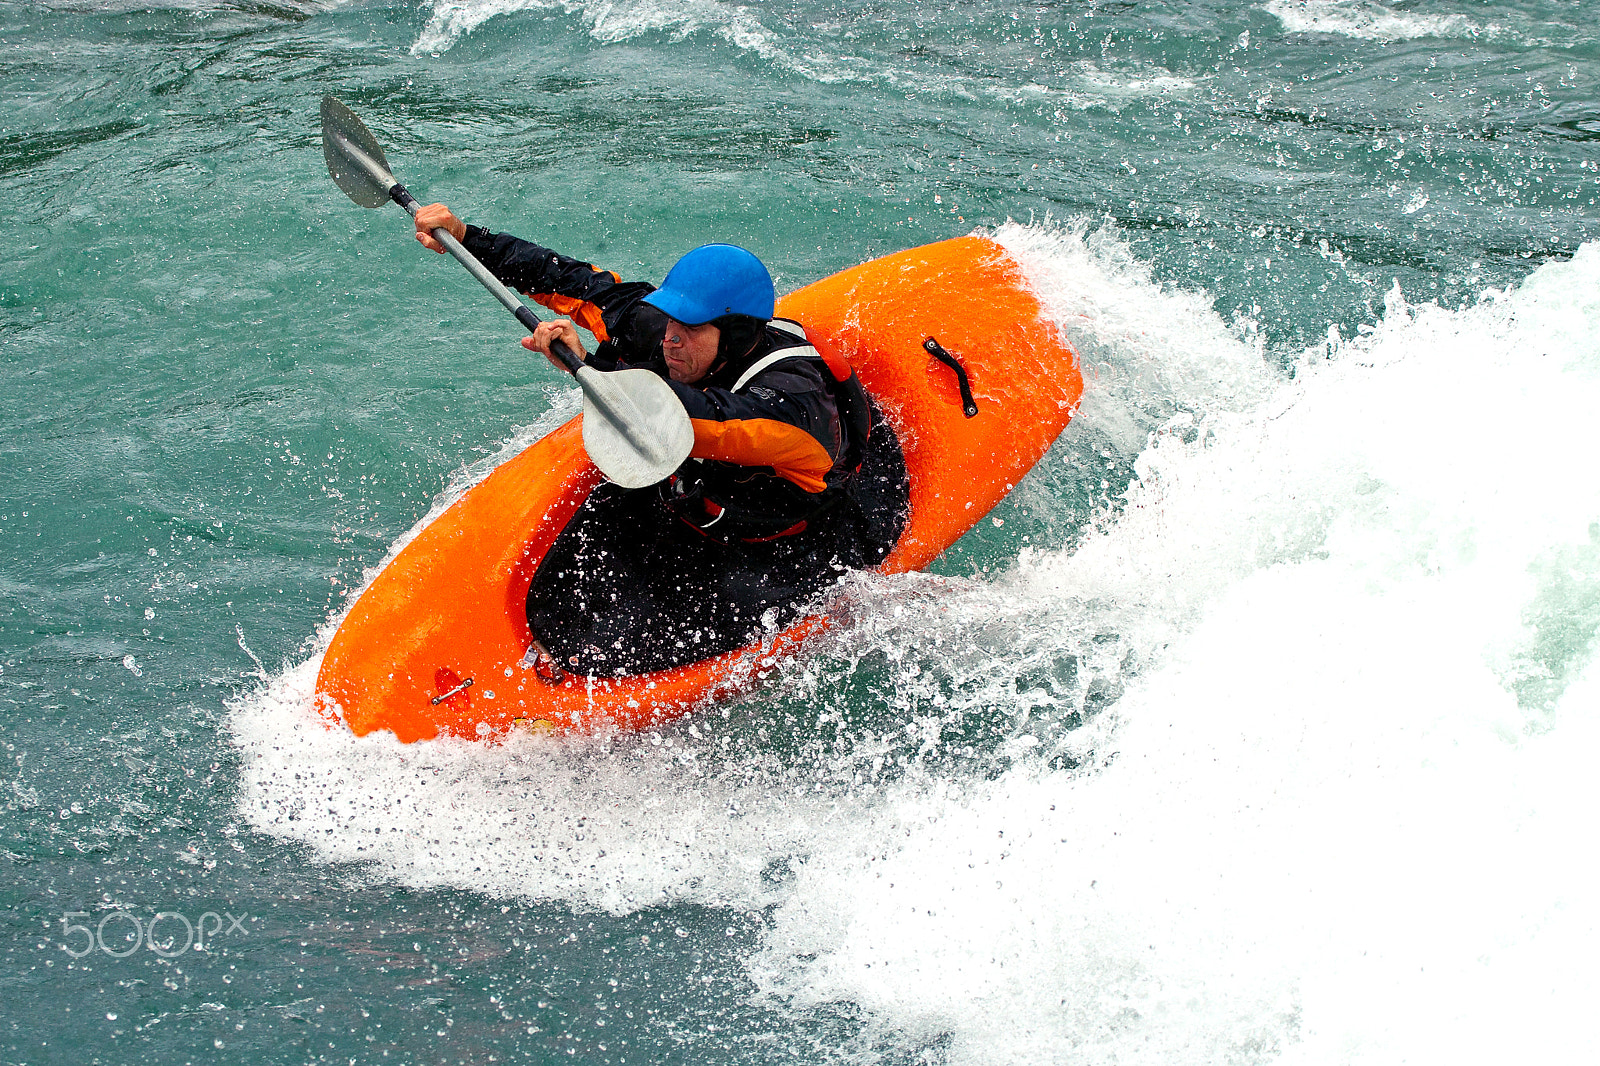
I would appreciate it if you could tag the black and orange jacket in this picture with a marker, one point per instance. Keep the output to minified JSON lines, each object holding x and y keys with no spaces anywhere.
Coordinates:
{"x":772,"y":450}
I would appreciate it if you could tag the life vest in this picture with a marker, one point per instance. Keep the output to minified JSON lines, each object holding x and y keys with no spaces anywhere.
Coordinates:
{"x":726,"y":505}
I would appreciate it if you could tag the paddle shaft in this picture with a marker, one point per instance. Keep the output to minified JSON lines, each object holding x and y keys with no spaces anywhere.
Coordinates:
{"x":524,"y":313}
{"x":625,"y":420}
{"x":634,"y":426}
{"x":399,"y":194}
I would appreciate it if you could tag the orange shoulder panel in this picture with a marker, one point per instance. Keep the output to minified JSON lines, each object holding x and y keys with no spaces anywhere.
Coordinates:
{"x":793,"y":454}
{"x":582,"y":312}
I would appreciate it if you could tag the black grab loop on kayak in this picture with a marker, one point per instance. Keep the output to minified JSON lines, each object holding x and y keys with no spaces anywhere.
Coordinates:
{"x":969,"y":406}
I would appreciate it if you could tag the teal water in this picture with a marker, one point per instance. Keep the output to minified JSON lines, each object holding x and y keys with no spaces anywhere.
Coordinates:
{"x":1255,"y":726}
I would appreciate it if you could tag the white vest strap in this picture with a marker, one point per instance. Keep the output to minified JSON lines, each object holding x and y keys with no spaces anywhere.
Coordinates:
{"x":799,"y":351}
{"x":802,"y":351}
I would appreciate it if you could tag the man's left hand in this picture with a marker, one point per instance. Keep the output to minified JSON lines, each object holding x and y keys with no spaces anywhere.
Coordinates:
{"x":560,"y":329}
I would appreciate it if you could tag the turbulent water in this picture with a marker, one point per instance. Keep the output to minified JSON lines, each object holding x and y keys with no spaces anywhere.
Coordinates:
{"x":1256,"y":726}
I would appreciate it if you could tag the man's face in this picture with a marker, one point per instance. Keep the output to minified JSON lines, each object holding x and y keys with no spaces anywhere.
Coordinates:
{"x":689,"y":350}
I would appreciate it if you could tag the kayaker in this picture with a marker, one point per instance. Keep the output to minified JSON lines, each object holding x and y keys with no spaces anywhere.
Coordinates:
{"x":794,"y":476}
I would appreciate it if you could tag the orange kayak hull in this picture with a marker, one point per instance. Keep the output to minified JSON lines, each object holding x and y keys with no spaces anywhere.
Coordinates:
{"x":436,"y":643}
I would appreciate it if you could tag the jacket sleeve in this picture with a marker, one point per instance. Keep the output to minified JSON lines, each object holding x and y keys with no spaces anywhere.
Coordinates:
{"x":786,"y":421}
{"x":598,"y":300}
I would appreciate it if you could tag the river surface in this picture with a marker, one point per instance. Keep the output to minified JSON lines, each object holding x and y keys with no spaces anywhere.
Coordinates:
{"x":1258,"y":725}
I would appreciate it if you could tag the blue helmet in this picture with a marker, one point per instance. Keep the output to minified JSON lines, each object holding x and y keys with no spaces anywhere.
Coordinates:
{"x":712,"y":281}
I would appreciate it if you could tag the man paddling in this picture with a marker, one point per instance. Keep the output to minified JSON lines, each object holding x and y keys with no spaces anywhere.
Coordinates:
{"x":793,"y":478}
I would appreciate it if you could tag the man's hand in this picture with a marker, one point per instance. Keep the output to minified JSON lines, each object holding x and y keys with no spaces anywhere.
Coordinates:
{"x":560,"y":329}
{"x":438,"y":216}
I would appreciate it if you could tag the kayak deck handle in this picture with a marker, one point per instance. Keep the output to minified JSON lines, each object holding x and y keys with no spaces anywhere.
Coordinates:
{"x":969,"y":406}
{"x":446,"y":695}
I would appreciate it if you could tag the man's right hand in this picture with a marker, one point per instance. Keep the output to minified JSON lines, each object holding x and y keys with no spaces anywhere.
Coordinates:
{"x":438,"y":216}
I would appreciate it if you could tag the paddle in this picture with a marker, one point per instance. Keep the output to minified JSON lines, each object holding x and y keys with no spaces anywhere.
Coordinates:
{"x":634,"y":428}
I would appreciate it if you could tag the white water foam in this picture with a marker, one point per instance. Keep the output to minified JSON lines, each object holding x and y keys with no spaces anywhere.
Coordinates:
{"x":1322,"y":827}
{"x":454,"y":19}
{"x":612,"y":21}
{"x":1371,"y":21}
{"x":1334,"y":815}
{"x":811,"y":51}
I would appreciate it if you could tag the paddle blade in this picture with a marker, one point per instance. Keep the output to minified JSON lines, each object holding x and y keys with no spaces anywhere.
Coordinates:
{"x":345,"y":139}
{"x":634,"y":427}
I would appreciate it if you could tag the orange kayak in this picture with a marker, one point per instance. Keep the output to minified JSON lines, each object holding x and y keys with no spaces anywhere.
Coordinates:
{"x":436,"y":644}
